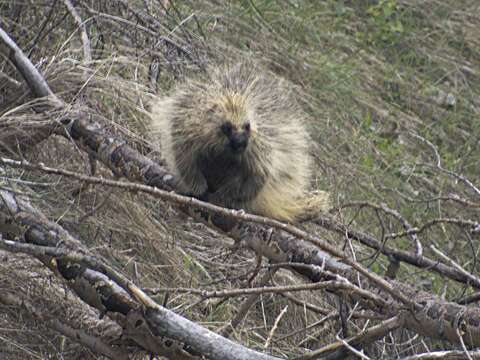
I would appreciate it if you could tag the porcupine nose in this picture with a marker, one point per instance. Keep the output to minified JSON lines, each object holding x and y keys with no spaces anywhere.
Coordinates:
{"x":238,"y":142}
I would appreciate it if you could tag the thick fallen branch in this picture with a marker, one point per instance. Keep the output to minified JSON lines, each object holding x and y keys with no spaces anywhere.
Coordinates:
{"x":106,"y":289}
{"x":409,"y":229}
{"x":120,"y":158}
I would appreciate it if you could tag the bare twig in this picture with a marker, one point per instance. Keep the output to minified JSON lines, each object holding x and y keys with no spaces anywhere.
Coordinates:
{"x":332,"y":316}
{"x":438,"y":165}
{"x":306,"y":305}
{"x":410,"y":230}
{"x":468,"y":299}
{"x":451,"y":197}
{"x":40,"y":34}
{"x":142,"y":16}
{"x":350,"y":348}
{"x":459,"y":222}
{"x":87,"y":49}
{"x":460,"y":338}
{"x":94,"y":209}
{"x":399,"y":255}
{"x":438,"y":161}
{"x":338,"y":285}
{"x":454,"y":264}
{"x":463,"y":179}
{"x":365,"y":337}
{"x":246,"y":305}
{"x":274,"y":327}
{"x":117,"y":19}
{"x":330,"y":313}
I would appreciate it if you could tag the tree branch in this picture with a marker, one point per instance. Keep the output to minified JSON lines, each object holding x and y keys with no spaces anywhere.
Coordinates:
{"x":399,"y":255}
{"x":247,"y":304}
{"x":32,"y":76}
{"x":87,"y":51}
{"x":341,"y":284}
{"x":230,"y":213}
{"x":337,"y":350}
{"x":108,"y":290}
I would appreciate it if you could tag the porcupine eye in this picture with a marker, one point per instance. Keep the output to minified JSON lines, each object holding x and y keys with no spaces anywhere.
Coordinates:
{"x":246,"y":127}
{"x":227,"y":128}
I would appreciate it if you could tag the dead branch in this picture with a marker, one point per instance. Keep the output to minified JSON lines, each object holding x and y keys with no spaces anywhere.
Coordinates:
{"x":246,"y":305}
{"x":439,"y":167}
{"x":141,"y":15}
{"x":32,"y":76}
{"x":274,"y":327}
{"x":337,"y":349}
{"x":87,"y":50}
{"x":230,"y":213}
{"x":452,"y":197}
{"x":120,"y":158}
{"x":40,"y":89}
{"x":341,"y":285}
{"x":409,"y":229}
{"x":110,"y":293}
{"x":453,"y":263}
{"x":426,"y":310}
{"x":469,"y":299}
{"x":323,"y":320}
{"x":469,"y":224}
{"x":115,"y":19}
{"x":399,"y":255}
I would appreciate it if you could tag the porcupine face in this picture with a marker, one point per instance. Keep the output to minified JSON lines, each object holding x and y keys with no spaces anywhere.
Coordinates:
{"x":230,"y":125}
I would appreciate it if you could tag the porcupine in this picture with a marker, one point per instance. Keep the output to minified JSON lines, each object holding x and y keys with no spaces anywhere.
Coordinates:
{"x":236,"y":138}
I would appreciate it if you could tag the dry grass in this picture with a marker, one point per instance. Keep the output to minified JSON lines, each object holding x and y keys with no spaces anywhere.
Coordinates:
{"x":368,"y":74}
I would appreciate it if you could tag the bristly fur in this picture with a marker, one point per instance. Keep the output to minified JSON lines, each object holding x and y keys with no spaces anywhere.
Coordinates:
{"x":270,"y":175}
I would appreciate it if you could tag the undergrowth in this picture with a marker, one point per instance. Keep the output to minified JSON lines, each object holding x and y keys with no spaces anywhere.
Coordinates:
{"x":371,"y":76}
